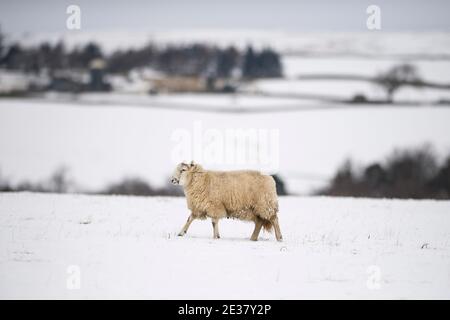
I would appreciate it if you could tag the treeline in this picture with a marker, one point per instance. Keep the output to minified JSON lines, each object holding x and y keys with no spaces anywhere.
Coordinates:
{"x":60,"y":182}
{"x":415,"y":174}
{"x":48,"y":57}
{"x":183,"y":60}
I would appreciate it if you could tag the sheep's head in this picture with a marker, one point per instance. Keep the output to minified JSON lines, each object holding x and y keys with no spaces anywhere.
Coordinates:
{"x":181,"y":171}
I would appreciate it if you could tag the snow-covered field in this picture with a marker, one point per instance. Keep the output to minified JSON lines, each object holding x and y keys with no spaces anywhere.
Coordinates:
{"x":126,"y":247}
{"x":103,"y":138}
{"x":102,"y":143}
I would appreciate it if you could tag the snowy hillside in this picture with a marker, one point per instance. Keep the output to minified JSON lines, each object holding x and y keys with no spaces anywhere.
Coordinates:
{"x":126,"y":247}
{"x":102,"y":143}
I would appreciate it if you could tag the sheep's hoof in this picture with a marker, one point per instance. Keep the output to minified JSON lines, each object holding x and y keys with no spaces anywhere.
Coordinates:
{"x":253,"y":239}
{"x":280,"y":240}
{"x":181,"y":234}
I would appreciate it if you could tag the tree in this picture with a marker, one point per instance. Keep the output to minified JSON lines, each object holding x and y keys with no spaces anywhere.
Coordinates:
{"x":59,"y":181}
{"x":375,"y":176}
{"x":269,"y":65}
{"x":441,"y":182}
{"x":90,"y":52}
{"x":13,"y":58}
{"x":397,"y":77}
{"x":264,"y":64}
{"x":1,"y":45}
{"x":249,"y":68}
{"x":227,"y":61}
{"x":405,"y":174}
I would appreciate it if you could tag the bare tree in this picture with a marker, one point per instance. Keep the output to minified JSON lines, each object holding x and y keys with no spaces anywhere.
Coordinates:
{"x":396,"y":77}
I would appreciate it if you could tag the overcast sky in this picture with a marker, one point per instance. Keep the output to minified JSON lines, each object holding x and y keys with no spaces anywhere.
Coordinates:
{"x":19,"y":16}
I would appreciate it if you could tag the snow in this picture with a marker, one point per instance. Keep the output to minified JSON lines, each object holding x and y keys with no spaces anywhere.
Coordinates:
{"x":324,"y":88}
{"x":11,"y":81}
{"x":101,"y":143}
{"x":126,"y":247}
{"x":212,"y":102}
{"x":295,"y":67}
{"x":103,"y":138}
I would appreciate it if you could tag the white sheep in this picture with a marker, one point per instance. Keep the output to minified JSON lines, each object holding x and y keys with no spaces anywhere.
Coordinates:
{"x":244,"y":195}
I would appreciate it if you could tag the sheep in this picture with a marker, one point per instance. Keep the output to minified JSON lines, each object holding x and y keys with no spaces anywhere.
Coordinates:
{"x":244,"y":195}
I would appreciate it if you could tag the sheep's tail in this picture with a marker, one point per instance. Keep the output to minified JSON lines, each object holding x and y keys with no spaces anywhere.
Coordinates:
{"x":267,"y":225}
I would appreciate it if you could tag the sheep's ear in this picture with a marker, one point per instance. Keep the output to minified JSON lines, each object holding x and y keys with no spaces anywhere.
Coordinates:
{"x":192,"y":163}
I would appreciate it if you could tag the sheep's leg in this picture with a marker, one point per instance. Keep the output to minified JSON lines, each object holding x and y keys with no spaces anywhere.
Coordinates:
{"x":258,"y":226}
{"x":186,"y":226}
{"x":215,"y":224}
{"x":276,"y":226}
